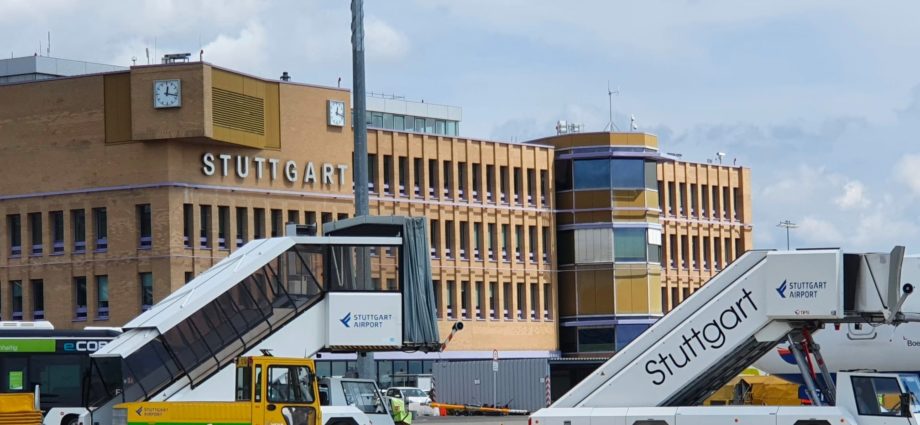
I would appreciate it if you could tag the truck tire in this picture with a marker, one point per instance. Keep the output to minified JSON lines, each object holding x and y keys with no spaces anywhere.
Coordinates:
{"x":70,"y":420}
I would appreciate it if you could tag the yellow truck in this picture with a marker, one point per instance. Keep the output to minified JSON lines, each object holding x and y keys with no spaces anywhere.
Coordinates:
{"x":269,"y":391}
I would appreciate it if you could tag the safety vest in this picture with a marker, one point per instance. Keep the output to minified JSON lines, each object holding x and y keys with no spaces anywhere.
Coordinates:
{"x":399,"y":412}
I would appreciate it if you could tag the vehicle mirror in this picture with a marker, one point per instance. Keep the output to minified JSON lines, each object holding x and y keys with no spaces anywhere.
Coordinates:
{"x":905,"y":405}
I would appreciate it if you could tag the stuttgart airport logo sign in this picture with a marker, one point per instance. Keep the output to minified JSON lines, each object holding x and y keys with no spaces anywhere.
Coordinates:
{"x":782,"y":289}
{"x":346,"y":320}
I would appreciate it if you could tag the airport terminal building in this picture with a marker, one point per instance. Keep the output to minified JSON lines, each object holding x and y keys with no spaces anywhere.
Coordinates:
{"x":121,"y":185}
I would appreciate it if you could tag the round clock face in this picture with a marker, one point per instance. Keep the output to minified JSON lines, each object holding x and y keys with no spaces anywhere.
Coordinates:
{"x":337,"y":113}
{"x":167,"y":94}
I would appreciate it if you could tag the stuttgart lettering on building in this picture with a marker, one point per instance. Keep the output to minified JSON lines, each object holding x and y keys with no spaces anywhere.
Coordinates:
{"x":244,"y":166}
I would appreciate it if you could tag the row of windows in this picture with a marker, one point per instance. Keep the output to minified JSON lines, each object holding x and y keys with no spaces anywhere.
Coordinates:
{"x":390,"y":373}
{"x":35,"y":232}
{"x":242,"y":223}
{"x":701,"y":252}
{"x":605,"y":173}
{"x":489,"y":245}
{"x":675,"y":201}
{"x":476,"y":303}
{"x":621,"y":244}
{"x":438,"y":180}
{"x":399,"y":122}
{"x":82,"y":308}
{"x":598,"y":339}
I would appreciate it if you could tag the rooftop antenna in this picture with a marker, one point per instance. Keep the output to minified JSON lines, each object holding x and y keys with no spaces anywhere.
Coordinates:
{"x":147,"y":52}
{"x":49,"y":44}
{"x":633,"y":125}
{"x":611,"y":125}
{"x":720,"y":155}
{"x":133,"y":60}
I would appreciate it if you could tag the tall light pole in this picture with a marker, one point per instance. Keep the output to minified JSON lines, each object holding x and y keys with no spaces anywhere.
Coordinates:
{"x":367,"y":367}
{"x":788,"y":225}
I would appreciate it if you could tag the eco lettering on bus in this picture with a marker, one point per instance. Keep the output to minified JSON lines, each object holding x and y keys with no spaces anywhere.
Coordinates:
{"x":83,"y":346}
{"x":712,"y":336}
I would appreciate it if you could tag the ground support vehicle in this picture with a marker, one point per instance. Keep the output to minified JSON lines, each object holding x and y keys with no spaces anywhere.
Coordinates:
{"x":269,"y":390}
{"x":19,"y":409}
{"x":760,"y":300}
{"x":292,"y":296}
{"x":361,"y":394}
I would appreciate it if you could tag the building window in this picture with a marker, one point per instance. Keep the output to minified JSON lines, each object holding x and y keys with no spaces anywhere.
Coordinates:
{"x":16,"y":299}
{"x":35,"y":228}
{"x":477,"y":241}
{"x":326,"y":217}
{"x":79,"y":297}
{"x":38,"y":299}
{"x":704,"y":202}
{"x":102,"y":297}
{"x":694,"y":208}
{"x":57,"y":232}
{"x":101,"y":229}
{"x":432,"y":178}
{"x":403,"y":170}
{"x":464,"y":239}
{"x":418,"y":175}
{"x":144,"y":226}
{"x":503,"y":181}
{"x":448,"y":178}
{"x":451,"y":293}
{"x":465,"y":311}
{"x":547,"y":302}
{"x":531,"y":186}
{"x":629,"y":244}
{"x":725,"y":202}
{"x":629,"y":174}
{"x":596,"y":339}
{"x":672,"y":198}
{"x":682,"y":191}
{"x":491,"y":237}
{"x":258,"y":223}
{"x":205,"y":232}
{"x":293,"y":217}
{"x":493,"y":300}
{"x":435,"y":238}
{"x":705,"y":253}
{"x":534,"y":301}
{"x":477,"y":181}
{"x":461,"y":180}
{"x":519,"y":243}
{"x":544,"y":188}
{"x":684,"y":251}
{"x":78,"y":221}
{"x":715,"y":203}
{"x":564,"y":175}
{"x":592,"y":174}
{"x":276,"y":223}
{"x":546,"y":244}
{"x":479,"y":298}
{"x":507,"y":301}
{"x":448,"y":238}
{"x":187,"y":219}
{"x":728,"y":251}
{"x":341,"y":216}
{"x":438,"y":303}
{"x":518,"y":186}
{"x":521,"y":301}
{"x":146,"y":280}
{"x":223,"y":226}
{"x":189,"y":276}
{"x":736,"y":202}
{"x":532,"y":243}
{"x":14,"y":225}
{"x":387,"y":174}
{"x":242,"y":225}
{"x":506,"y":242}
{"x":695,"y":241}
{"x":490,"y":182}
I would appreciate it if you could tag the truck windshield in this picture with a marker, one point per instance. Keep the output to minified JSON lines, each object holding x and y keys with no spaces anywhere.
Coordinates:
{"x":363,"y":395}
{"x":912,"y":383}
{"x":290,"y":384}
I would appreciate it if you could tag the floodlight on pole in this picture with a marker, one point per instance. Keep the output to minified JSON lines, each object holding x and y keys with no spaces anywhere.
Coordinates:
{"x":788,"y":225}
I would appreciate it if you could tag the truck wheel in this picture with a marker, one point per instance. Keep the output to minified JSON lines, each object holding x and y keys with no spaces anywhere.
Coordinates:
{"x":343,"y":421}
{"x":70,"y":420}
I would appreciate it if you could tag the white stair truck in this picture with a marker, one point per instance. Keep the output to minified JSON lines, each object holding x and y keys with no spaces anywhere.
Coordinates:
{"x":761,"y":299}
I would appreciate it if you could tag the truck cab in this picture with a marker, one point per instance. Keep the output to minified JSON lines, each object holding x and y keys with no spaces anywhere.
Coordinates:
{"x":269,"y":391}
{"x":361,"y":394}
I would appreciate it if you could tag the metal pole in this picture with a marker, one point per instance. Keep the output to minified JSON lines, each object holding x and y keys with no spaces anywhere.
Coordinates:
{"x":806,"y":376}
{"x":367,"y":367}
{"x":787,"y":225}
{"x":787,"y":238}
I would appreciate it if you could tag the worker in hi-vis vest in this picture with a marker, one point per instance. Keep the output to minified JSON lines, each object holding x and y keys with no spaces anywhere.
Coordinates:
{"x":399,"y":412}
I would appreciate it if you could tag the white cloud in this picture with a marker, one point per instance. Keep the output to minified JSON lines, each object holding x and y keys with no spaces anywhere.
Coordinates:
{"x":819,"y":231}
{"x":384,"y":42}
{"x":245,"y":51}
{"x":853,"y":196}
{"x":908,"y":172}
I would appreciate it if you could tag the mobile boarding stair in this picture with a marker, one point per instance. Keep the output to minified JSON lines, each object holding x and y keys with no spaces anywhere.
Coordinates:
{"x":293,"y":295}
{"x":761,"y":299}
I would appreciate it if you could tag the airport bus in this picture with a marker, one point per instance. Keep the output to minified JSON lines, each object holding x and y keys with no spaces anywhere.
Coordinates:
{"x":34,"y":353}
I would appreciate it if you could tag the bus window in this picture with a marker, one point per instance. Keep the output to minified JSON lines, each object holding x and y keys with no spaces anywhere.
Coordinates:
{"x":59,"y":377}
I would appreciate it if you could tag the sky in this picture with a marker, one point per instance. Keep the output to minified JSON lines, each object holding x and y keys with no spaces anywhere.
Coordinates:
{"x":820,"y":99}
